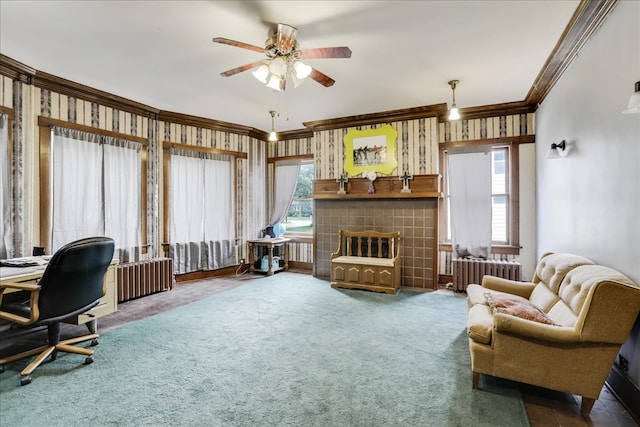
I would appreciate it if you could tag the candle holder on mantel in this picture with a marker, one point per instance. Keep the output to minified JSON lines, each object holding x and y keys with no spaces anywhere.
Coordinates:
{"x":342,"y":180}
{"x":405,"y":182}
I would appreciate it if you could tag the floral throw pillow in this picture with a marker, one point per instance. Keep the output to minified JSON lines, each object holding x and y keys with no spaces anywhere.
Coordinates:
{"x":517,"y":306}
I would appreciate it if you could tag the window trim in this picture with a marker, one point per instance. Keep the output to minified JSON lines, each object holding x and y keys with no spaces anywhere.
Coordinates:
{"x":297,"y":236}
{"x":513,"y":165}
{"x":166,"y":171}
{"x":45,"y":124}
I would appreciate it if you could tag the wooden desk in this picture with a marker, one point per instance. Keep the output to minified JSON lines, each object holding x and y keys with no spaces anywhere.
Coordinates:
{"x":108,"y":303}
{"x":269,"y":244}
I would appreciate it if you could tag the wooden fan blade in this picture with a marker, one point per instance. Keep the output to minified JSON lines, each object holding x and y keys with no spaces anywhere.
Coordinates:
{"x":326,"y":52}
{"x":235,"y":43}
{"x":285,"y":37}
{"x":321,"y":78}
{"x":241,"y":68}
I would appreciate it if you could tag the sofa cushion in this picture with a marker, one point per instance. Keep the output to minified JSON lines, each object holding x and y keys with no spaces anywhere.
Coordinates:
{"x":552,"y":268}
{"x":517,"y":306}
{"x":480,"y":323}
{"x":543,"y":297}
{"x":475,"y":295}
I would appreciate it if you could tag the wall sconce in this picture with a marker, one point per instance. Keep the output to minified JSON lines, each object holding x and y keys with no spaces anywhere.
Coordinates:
{"x":554,"y":152}
{"x":454,"y":113}
{"x":273,"y":136}
{"x":634,"y":101}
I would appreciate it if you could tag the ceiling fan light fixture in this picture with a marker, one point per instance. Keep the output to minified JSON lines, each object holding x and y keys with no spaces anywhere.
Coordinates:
{"x":296,"y":81}
{"x":454,"y":113}
{"x":274,"y":82}
{"x":261,"y":73}
{"x":278,"y":66}
{"x":302,"y":70}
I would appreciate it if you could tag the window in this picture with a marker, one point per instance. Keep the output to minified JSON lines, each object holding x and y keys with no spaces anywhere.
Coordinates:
{"x":6,"y":234}
{"x":499,"y":197}
{"x":117,"y":184}
{"x":200,"y":225}
{"x":96,"y":190}
{"x":299,"y":217}
{"x":503,"y":196}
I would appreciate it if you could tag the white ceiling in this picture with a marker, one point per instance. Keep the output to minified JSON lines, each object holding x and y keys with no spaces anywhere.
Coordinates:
{"x":160,"y":53}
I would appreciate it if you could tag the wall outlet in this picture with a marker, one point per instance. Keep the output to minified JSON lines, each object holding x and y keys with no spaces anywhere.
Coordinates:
{"x":624,"y":363}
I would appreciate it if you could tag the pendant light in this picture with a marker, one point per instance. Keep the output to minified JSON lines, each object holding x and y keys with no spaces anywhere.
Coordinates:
{"x":454,"y":113}
{"x":273,"y":136}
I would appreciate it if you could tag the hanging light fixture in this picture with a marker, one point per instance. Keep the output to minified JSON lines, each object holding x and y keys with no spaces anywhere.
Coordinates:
{"x":273,"y":136}
{"x":454,"y":113}
{"x":284,"y":61}
{"x":634,"y":101}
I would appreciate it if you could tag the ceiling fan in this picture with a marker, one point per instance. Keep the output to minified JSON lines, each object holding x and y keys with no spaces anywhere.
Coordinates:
{"x":284,"y":58}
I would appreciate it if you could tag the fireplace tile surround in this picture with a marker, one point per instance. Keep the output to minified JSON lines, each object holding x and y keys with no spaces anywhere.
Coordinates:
{"x":415,"y":218}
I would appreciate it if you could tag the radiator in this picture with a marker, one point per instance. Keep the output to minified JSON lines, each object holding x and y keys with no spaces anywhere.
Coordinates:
{"x":467,"y":271}
{"x":141,"y":278}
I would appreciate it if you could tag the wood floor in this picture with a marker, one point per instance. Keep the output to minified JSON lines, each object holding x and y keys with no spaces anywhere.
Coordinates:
{"x":545,"y":408}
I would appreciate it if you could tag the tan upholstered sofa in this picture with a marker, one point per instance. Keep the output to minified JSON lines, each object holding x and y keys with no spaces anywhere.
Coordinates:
{"x":560,"y":331}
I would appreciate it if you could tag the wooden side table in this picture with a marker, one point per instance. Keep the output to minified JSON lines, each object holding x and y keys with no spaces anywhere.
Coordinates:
{"x":269,"y":244}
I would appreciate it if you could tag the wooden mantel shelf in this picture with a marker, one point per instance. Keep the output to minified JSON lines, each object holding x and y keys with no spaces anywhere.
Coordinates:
{"x":387,"y":187}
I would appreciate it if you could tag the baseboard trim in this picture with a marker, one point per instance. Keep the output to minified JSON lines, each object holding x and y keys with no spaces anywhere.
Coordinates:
{"x":443,"y":279}
{"x":197,"y":275}
{"x":299,"y":265}
{"x":625,"y":391}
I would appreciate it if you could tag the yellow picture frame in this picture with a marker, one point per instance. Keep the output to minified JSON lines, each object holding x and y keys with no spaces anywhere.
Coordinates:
{"x":370,"y":150}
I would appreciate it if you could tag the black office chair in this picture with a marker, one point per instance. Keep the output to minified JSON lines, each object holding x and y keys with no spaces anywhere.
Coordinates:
{"x":72,"y":283}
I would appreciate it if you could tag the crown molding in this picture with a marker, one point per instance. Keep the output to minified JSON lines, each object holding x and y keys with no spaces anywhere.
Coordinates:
{"x":375,"y":118}
{"x":493,"y":110}
{"x":185,"y":119}
{"x":67,"y":87}
{"x":587,"y":18}
{"x":16,"y":70}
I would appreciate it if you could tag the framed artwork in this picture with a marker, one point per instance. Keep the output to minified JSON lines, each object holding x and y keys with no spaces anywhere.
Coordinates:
{"x":370,"y":150}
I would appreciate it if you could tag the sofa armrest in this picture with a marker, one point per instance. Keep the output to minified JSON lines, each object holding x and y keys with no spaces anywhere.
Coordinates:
{"x":512,"y":325}
{"x":513,"y":287}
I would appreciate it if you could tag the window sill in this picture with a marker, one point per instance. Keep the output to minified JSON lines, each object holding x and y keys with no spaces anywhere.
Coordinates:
{"x":299,"y":237}
{"x":495,"y":249}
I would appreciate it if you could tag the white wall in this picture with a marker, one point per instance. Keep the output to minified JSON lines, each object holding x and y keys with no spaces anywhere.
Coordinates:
{"x":589,"y":202}
{"x":528,"y":257}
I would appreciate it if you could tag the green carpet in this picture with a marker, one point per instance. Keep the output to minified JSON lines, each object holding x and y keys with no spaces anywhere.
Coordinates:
{"x":281,"y":350}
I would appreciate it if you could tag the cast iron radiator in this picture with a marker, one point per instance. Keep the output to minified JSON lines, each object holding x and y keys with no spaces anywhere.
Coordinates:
{"x":137,"y":279}
{"x":466,"y":271}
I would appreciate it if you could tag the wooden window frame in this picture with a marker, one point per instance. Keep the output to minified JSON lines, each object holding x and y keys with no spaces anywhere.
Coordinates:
{"x":305,"y":158}
{"x":46,"y":206}
{"x":513,"y":143}
{"x":166,"y":172}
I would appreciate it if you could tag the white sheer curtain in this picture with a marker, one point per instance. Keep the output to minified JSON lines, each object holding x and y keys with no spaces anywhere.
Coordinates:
{"x":97,"y":190}
{"x":201,"y":211}
{"x":123,"y":196}
{"x":77,"y":189}
{"x":6,"y":244}
{"x":286,"y":178}
{"x":470,"y":202}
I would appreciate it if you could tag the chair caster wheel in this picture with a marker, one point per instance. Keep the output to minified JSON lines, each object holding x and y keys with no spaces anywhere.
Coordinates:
{"x":1,"y":369}
{"x":94,"y":342}
{"x":25,"y":380}
{"x":88,"y":360}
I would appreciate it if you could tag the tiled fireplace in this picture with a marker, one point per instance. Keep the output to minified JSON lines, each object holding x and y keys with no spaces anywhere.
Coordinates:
{"x":415,"y":215}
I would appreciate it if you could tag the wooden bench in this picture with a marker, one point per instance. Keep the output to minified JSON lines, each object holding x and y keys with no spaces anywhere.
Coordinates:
{"x":367,"y":260}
